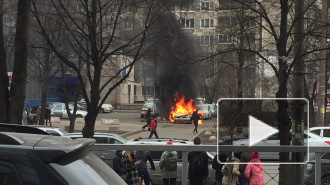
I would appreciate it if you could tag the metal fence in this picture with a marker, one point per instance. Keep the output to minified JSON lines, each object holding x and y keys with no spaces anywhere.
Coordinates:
{"x":226,"y":148}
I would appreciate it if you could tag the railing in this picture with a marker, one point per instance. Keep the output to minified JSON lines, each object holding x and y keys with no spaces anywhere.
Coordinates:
{"x":186,"y":148}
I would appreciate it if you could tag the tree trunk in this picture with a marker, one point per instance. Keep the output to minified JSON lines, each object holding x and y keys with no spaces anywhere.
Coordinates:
{"x":43,"y":102}
{"x":4,"y":84}
{"x":17,"y":90}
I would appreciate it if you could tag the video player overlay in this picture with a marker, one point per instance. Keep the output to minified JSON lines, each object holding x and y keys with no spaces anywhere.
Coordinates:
{"x":264,"y":122}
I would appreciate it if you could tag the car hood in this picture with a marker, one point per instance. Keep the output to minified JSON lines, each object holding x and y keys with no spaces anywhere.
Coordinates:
{"x":181,"y":114}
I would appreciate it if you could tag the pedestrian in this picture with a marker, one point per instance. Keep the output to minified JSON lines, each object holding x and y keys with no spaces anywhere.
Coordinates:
{"x":132,"y":175}
{"x":230,"y":171}
{"x":118,"y":164}
{"x":148,"y":118}
{"x":218,"y":166}
{"x":38,"y":114}
{"x":47,"y":115}
{"x":194,"y":118}
{"x":198,"y":165}
{"x":168,"y":165}
{"x":142,"y":168}
{"x":153,"y":127}
{"x":244,"y":158}
{"x":253,"y":170}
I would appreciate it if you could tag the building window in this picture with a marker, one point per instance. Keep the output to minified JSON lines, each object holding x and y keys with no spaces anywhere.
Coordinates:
{"x":147,"y":90}
{"x":206,"y":40}
{"x":206,"y":23}
{"x":205,"y":5}
{"x":188,"y":23}
{"x":228,"y":39}
{"x":228,"y":22}
{"x":128,"y":25}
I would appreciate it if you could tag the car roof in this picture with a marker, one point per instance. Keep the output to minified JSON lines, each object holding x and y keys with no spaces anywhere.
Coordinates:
{"x":47,"y":147}
{"x":316,"y":128}
{"x":95,"y":134}
{"x":7,"y":127}
{"x":159,"y":141}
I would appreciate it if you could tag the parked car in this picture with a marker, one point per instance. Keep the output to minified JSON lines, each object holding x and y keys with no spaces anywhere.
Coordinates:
{"x":155,"y":175}
{"x":321,"y":131}
{"x":59,"y":110}
{"x":204,"y":110}
{"x":103,"y":138}
{"x":213,"y":110}
{"x":51,"y":160}
{"x":51,"y":130}
{"x":146,"y":106}
{"x":106,"y":107}
{"x":325,"y":169}
{"x":225,"y":140}
{"x":273,"y":140}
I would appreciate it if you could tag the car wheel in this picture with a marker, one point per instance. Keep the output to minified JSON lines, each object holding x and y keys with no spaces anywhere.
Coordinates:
{"x":141,"y":116}
{"x":101,"y":110}
{"x":79,"y":116}
{"x":326,"y":180}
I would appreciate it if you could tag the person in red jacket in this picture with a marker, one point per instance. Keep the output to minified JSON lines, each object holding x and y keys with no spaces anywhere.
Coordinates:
{"x":253,"y":170}
{"x":153,"y":126}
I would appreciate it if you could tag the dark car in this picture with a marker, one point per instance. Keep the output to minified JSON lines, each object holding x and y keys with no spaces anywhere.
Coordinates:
{"x":43,"y":159}
{"x":325,"y":170}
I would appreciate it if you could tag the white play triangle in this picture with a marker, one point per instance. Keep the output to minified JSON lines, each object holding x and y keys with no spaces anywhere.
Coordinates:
{"x":259,"y":130}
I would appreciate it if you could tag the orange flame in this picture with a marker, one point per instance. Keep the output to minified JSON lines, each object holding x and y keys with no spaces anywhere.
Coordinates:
{"x":181,"y":106}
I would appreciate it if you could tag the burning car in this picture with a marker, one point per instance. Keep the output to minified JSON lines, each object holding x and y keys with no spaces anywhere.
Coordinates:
{"x":182,"y":110}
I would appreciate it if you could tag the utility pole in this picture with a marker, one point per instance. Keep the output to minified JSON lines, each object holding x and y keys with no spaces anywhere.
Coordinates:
{"x":322,"y":71}
{"x":298,"y":91}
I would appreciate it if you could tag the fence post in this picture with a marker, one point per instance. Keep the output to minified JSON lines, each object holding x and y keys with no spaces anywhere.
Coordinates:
{"x":317,"y":168}
{"x":184,"y":167}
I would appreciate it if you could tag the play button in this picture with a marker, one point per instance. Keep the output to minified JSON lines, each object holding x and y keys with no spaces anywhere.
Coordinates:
{"x":259,"y":130}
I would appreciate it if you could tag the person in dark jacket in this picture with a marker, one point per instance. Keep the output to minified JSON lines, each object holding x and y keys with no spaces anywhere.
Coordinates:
{"x":197,"y":175}
{"x":217,"y":166}
{"x":148,"y":118}
{"x":47,"y":115}
{"x":244,"y":158}
{"x":195,"y":117}
{"x":142,"y":168}
{"x":118,"y":164}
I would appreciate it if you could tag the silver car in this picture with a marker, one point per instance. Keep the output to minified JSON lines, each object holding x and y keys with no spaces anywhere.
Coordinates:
{"x":102,"y":138}
{"x":59,"y":110}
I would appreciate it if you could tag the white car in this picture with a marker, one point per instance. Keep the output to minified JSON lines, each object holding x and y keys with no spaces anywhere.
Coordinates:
{"x":59,"y":110}
{"x":204,"y":110}
{"x":106,"y":107}
{"x":273,"y":140}
{"x":213,"y":110}
{"x":320,"y":131}
{"x":152,"y":106}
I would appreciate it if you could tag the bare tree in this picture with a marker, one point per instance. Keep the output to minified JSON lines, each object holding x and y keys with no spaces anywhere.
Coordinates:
{"x":107,"y":29}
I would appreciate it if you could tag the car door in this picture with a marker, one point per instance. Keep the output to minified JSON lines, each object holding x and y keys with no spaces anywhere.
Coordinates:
{"x":107,"y":155}
{"x":58,"y":111}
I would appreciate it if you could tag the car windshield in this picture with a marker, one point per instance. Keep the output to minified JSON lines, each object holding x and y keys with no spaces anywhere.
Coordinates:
{"x":85,"y":168}
{"x":147,"y":105}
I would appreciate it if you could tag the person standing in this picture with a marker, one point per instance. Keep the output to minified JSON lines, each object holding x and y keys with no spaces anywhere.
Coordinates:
{"x":148,"y":118}
{"x":132,"y":175}
{"x":153,"y":127}
{"x":244,"y":158}
{"x":142,"y":168}
{"x":217,"y":166}
{"x":253,"y":170}
{"x":168,"y":165}
{"x":195,"y":117}
{"x":231,"y":168}
{"x":118,"y":164}
{"x":198,"y":165}
{"x":47,"y":115}
{"x":38,"y":114}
